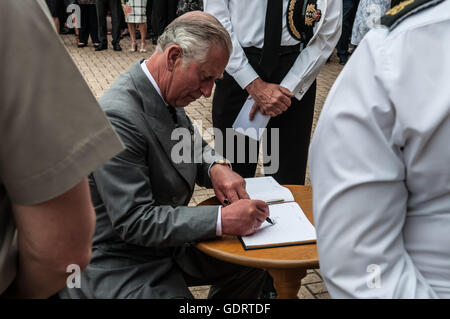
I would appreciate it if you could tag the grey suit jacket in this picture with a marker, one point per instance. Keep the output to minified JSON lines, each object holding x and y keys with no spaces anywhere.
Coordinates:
{"x":140,"y":197}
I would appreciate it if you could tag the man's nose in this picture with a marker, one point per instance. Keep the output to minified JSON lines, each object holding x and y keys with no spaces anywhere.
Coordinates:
{"x":206,"y":88}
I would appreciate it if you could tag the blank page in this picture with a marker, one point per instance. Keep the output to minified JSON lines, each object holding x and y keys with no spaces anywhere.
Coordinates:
{"x":267,"y":189}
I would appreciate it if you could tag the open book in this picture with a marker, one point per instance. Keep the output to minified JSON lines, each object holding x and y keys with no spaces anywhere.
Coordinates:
{"x":291,"y":226}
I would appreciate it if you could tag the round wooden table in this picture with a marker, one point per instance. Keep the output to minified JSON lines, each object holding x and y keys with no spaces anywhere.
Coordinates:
{"x":287,"y":265}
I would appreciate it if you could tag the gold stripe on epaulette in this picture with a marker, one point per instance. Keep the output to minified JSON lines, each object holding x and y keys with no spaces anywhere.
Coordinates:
{"x":399,"y":7}
{"x":291,"y":20}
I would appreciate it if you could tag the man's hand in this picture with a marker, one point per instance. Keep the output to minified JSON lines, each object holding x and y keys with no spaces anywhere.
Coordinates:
{"x":227,"y":184}
{"x":244,"y":217}
{"x":271,"y":99}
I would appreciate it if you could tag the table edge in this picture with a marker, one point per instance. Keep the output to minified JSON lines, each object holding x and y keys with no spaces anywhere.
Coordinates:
{"x":258,"y":263}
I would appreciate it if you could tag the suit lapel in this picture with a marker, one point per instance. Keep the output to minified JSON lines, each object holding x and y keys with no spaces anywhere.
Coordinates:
{"x":161,"y":121}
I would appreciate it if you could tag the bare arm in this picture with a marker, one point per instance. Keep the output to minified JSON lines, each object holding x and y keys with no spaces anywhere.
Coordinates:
{"x":52,"y":235}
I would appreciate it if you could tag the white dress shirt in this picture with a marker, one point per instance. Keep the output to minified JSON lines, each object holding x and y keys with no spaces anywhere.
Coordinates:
{"x":380,"y":165}
{"x":245,"y":20}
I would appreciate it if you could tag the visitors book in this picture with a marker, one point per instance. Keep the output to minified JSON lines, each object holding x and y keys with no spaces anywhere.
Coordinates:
{"x":291,"y":226}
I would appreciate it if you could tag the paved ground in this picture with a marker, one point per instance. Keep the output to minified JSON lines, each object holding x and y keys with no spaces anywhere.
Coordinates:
{"x":100,"y":69}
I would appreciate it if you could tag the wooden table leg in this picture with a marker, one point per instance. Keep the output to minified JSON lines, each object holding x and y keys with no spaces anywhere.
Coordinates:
{"x":287,"y":282}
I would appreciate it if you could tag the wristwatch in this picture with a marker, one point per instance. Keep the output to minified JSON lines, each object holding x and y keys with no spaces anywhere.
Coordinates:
{"x":223,"y":162}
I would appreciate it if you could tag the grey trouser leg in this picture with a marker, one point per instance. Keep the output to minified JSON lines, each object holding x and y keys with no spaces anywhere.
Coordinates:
{"x":228,"y":280}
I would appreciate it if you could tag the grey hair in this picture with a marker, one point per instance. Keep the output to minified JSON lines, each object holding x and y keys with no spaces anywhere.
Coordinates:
{"x":195,"y":34}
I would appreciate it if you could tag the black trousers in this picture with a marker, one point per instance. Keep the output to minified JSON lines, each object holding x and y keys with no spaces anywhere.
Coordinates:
{"x":56,"y":7}
{"x":294,"y":125}
{"x":89,"y":23}
{"x":102,"y":10}
{"x":347,"y":23}
{"x":148,"y":11}
{"x":163,"y":12}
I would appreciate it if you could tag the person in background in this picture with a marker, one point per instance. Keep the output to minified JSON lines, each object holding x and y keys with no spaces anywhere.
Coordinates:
{"x":150,"y":33}
{"x":380,"y":159}
{"x":102,"y":9}
{"x":89,"y":23}
{"x":55,"y":7}
{"x":135,"y":14}
{"x":367,"y":16}
{"x":53,"y":135}
{"x":185,"y":6}
{"x":349,"y":9}
{"x":163,"y":13}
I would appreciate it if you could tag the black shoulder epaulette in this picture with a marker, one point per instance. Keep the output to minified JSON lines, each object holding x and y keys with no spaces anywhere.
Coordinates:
{"x":405,"y":9}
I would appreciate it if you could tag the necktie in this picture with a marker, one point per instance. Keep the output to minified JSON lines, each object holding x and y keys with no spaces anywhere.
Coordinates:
{"x":272,"y":36}
{"x":173,"y":112}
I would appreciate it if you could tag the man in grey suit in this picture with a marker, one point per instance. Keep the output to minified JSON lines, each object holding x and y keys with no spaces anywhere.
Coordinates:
{"x":142,"y":243}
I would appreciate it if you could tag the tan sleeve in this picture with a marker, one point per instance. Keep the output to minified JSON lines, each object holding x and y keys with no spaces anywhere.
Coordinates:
{"x":53,"y":132}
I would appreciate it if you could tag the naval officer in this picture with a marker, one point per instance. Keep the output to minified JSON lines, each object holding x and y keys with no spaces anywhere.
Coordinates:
{"x":380,"y":161}
{"x":279,"y":48}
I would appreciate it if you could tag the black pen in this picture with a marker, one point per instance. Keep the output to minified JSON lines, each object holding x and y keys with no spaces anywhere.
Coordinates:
{"x":272,"y":202}
{"x":275,"y":201}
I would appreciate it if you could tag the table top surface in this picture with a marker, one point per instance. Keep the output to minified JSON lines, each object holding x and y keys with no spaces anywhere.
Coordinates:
{"x":229,"y":248}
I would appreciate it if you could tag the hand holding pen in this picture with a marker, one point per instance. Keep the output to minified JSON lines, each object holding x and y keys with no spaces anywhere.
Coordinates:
{"x":272,"y":202}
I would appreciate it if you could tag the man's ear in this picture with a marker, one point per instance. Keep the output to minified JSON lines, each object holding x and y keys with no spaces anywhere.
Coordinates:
{"x":174,"y":57}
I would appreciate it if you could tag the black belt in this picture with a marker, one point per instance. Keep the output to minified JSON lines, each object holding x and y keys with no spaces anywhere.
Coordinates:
{"x":282,"y":50}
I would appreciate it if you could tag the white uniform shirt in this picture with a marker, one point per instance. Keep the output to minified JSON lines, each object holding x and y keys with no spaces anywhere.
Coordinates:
{"x":380,"y":165}
{"x":245,"y":20}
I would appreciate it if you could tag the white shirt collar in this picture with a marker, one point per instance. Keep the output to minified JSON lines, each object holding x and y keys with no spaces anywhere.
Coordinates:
{"x":152,"y":80}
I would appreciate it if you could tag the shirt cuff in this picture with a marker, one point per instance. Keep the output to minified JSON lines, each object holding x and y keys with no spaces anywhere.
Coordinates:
{"x":219,"y":222}
{"x":245,"y":76}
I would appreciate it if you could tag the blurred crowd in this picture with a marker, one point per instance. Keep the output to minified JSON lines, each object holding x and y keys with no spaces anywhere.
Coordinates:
{"x":95,"y":19}
{"x":146,"y":19}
